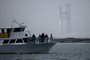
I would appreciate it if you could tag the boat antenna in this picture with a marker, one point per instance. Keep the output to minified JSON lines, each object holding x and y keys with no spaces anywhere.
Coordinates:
{"x":20,"y":25}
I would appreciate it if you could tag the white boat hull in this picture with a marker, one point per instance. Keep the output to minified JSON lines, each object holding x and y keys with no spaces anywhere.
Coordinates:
{"x":26,"y":48}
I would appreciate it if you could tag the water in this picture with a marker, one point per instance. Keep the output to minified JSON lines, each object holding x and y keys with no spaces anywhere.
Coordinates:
{"x":61,"y":51}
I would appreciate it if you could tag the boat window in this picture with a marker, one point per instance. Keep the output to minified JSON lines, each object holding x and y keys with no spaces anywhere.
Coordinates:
{"x":5,"y":41}
{"x":9,"y":30}
{"x":2,"y":30}
{"x":25,"y":40}
{"x":12,"y":41}
{"x":19,"y":41}
{"x":17,"y":29}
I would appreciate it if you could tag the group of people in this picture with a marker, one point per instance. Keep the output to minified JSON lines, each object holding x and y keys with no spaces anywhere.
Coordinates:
{"x":42,"y":38}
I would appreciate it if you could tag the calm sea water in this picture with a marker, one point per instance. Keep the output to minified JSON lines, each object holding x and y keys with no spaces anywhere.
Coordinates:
{"x":61,"y":51}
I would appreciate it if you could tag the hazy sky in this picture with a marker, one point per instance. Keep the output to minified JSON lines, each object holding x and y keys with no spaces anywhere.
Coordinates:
{"x":44,"y":16}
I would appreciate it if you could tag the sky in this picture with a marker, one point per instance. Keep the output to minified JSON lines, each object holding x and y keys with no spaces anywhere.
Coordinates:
{"x":44,"y":16}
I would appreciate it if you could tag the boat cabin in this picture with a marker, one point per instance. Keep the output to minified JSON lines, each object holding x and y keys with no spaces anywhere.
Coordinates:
{"x":5,"y":32}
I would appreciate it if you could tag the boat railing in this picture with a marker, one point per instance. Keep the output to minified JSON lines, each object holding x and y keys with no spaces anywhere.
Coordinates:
{"x":24,"y":40}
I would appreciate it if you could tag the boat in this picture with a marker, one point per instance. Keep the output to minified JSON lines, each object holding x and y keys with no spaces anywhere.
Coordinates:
{"x":17,"y":40}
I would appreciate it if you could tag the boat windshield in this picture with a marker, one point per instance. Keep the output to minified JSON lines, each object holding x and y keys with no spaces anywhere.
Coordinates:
{"x":18,"y":29}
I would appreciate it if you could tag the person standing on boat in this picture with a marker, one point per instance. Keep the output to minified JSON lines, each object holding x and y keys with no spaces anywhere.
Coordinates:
{"x":42,"y":37}
{"x":51,"y":37}
{"x":33,"y":38}
{"x":46,"y":38}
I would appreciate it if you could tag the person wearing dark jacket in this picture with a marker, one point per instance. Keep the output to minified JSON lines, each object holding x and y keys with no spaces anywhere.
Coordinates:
{"x":42,"y":37}
{"x":46,"y":38}
{"x":33,"y":38}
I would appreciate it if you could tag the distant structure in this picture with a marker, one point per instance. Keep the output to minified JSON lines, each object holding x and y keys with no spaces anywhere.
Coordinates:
{"x":65,"y":18}
{"x":68,"y":17}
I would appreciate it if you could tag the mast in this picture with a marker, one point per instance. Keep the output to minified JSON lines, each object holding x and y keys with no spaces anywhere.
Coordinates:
{"x":19,"y":24}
